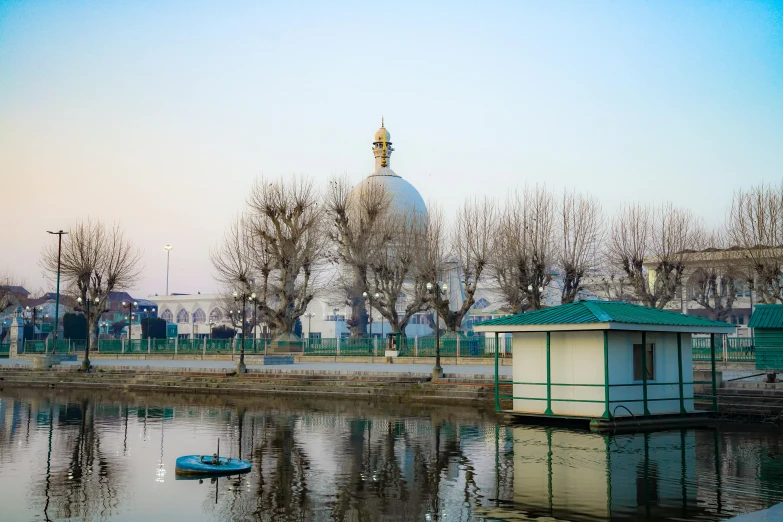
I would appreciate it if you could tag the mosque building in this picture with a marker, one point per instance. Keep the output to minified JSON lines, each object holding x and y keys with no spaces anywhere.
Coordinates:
{"x":326,"y":317}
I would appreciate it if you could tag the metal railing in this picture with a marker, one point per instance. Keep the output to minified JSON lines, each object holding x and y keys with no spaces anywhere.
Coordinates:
{"x":736,"y":349}
{"x":469,"y":347}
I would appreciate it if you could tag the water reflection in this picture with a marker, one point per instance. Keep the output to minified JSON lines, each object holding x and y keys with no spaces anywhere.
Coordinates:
{"x":111,"y":456}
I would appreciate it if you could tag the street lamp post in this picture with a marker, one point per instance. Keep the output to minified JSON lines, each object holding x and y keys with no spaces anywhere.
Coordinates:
{"x":86,"y":361}
{"x":540,"y":294}
{"x":243,"y":297}
{"x":310,"y":316}
{"x":255,"y":326}
{"x":168,"y":249}
{"x":147,"y":312}
{"x":130,"y":305}
{"x":369,"y":300}
{"x":34,"y":311}
{"x":60,"y":234}
{"x":437,"y":292}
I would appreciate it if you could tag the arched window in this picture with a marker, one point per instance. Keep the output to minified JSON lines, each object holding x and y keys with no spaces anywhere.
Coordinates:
{"x":215,"y":316}
{"x":167,"y":316}
{"x":199,"y":316}
{"x":182,"y":316}
{"x":481,"y":304}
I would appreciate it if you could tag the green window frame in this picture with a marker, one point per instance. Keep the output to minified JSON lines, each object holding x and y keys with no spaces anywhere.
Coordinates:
{"x":637,"y":362}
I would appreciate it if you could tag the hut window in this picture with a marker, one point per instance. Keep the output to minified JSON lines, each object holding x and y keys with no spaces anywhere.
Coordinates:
{"x":637,"y":361}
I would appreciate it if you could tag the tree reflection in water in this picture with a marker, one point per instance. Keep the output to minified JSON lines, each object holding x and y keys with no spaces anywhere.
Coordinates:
{"x":80,"y":480}
{"x":99,"y":456}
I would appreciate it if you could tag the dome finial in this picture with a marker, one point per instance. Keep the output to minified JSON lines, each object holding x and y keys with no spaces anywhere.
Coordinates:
{"x":382,"y":148}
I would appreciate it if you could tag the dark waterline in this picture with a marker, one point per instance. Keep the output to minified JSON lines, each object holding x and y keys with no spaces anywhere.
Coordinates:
{"x":110,"y":456}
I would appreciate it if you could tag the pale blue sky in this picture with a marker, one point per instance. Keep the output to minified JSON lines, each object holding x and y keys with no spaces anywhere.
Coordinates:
{"x":160,"y":115}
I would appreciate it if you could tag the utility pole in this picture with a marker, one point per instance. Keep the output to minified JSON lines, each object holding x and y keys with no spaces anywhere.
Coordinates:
{"x":60,"y":234}
{"x":168,"y":249}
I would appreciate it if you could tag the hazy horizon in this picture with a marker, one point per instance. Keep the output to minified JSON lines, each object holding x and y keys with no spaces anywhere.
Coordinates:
{"x":159,"y":116}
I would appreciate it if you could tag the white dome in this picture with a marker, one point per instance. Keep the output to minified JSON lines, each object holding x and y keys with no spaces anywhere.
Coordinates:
{"x":405,"y":197}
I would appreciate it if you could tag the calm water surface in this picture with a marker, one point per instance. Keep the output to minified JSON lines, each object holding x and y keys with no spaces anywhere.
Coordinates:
{"x":110,"y":456}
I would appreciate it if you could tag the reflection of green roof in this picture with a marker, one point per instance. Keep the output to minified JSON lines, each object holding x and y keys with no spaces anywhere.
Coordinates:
{"x":767,"y":316}
{"x":591,"y":312}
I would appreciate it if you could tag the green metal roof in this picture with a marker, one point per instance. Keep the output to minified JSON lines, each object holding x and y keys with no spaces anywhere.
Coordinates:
{"x":585,"y":312}
{"x":767,"y":316}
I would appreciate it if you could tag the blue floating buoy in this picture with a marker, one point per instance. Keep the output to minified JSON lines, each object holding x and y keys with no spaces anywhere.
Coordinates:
{"x":210,"y":465}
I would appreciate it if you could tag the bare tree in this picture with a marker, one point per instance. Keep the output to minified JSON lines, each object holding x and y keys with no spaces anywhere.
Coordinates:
{"x":755,"y":226}
{"x":357,"y":217}
{"x":714,"y":280}
{"x":8,"y":292}
{"x":581,"y":227}
{"x":659,"y":238}
{"x":95,"y":260}
{"x":613,"y":284}
{"x":522,"y":266}
{"x":402,"y":266}
{"x":276,"y":249}
{"x":471,"y":246}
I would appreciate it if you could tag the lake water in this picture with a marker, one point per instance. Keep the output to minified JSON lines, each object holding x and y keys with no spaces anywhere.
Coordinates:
{"x":71,"y":455}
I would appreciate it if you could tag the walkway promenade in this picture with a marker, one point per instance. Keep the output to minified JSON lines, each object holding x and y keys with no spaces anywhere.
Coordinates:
{"x":343,"y":367}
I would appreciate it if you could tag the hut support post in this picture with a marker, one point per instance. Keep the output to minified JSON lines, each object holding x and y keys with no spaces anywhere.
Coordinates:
{"x":607,"y":414}
{"x":714,"y":375}
{"x":679,"y":371}
{"x":644,"y":372}
{"x":497,"y":396}
{"x":548,"y":374}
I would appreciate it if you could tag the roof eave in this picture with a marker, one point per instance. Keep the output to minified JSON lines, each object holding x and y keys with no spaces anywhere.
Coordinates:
{"x":603,"y":326}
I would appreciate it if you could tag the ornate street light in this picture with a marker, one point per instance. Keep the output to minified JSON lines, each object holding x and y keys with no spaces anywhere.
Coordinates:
{"x":34,"y":311}
{"x":147,"y":312}
{"x":369,"y":299}
{"x":130,"y":306}
{"x":244,"y":297}
{"x":437,"y":292}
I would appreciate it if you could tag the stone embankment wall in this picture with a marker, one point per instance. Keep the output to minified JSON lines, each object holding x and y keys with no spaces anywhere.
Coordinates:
{"x":398,"y":387}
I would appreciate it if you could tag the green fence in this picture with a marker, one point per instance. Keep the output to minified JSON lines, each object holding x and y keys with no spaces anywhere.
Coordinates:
{"x":109,"y":346}
{"x":162,"y":346}
{"x":406,"y":346}
{"x":738,"y":349}
{"x":220,"y":346}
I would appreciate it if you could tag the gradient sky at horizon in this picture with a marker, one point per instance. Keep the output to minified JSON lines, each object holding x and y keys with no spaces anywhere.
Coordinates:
{"x":160,"y":115}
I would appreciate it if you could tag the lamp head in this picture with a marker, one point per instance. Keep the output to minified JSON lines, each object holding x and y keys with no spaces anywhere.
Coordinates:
{"x":236,"y":294}
{"x":135,"y":303}
{"x":78,"y":300}
{"x":377,"y":295}
{"x":124,"y":303}
{"x":27,"y":308}
{"x":364,"y":294}
{"x":445,"y":287}
{"x":429,"y":286}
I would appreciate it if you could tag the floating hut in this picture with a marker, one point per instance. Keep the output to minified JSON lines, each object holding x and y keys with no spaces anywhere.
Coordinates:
{"x":767,"y":324}
{"x":605,"y":362}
